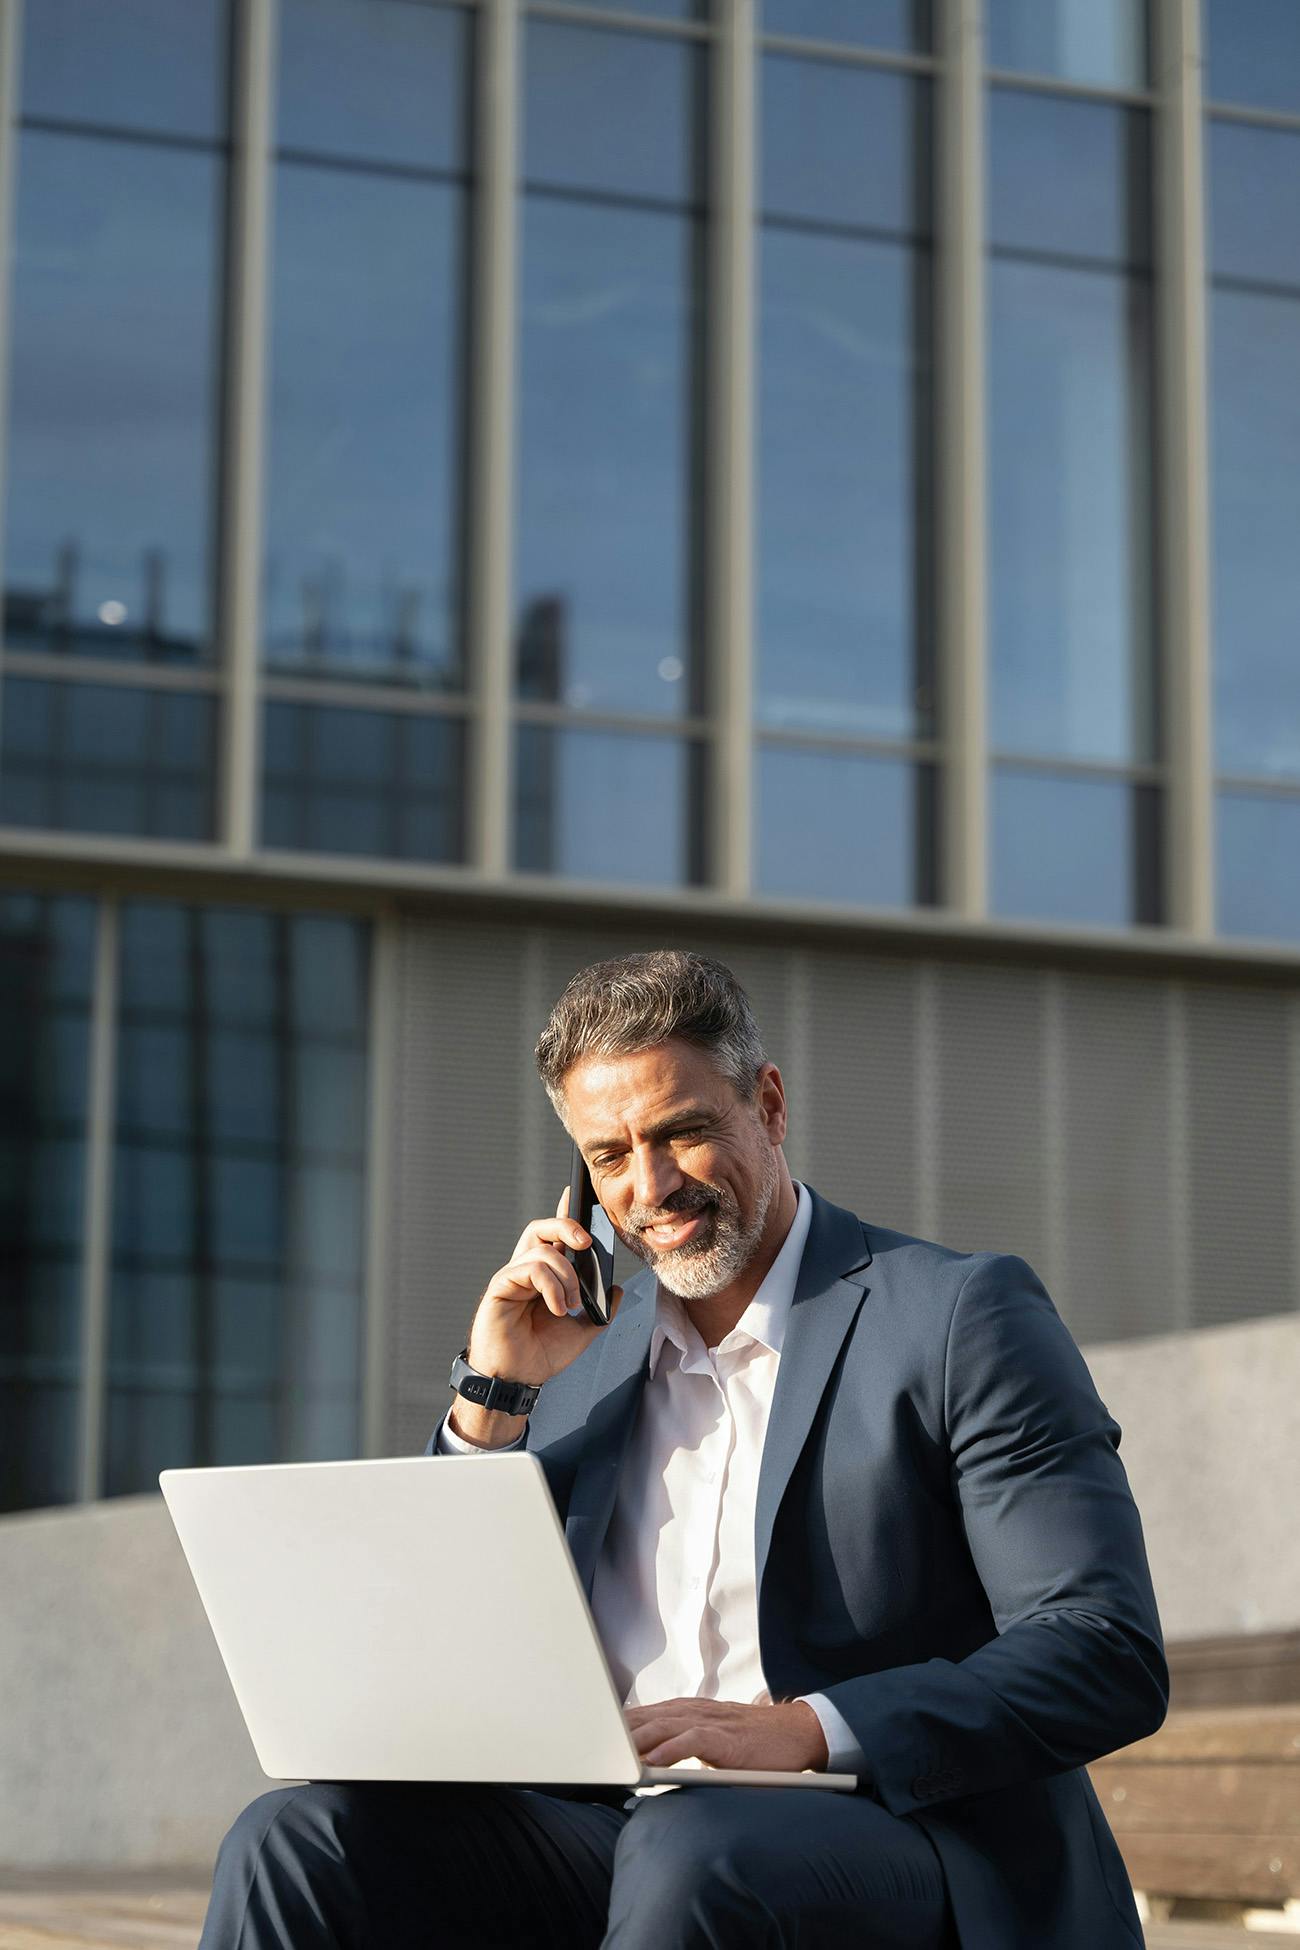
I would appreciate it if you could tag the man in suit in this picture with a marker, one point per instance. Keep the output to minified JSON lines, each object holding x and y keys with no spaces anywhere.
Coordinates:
{"x":839,"y":1498}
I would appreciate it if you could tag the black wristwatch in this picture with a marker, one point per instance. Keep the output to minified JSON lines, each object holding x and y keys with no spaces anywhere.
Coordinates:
{"x":489,"y":1391}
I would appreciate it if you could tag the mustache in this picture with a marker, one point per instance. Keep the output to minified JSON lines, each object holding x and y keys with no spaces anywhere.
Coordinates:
{"x":689,"y":1199}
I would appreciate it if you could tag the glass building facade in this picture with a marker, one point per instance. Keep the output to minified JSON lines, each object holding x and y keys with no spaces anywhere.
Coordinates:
{"x":431,"y":429}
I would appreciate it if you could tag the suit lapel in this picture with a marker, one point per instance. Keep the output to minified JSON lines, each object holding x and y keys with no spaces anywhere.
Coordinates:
{"x":830,"y":1289}
{"x":619,"y":1361}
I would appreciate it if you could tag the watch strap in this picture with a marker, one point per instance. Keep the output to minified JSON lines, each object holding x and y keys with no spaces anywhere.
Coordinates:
{"x":490,"y":1391}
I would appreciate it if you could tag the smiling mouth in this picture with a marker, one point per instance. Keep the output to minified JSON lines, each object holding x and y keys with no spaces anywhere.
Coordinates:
{"x":667,"y":1234}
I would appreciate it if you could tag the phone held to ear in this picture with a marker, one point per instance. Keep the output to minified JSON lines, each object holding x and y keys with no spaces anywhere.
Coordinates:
{"x":593,"y":1264}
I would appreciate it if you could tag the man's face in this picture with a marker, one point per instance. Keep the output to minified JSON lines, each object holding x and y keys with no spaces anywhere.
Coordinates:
{"x":684,"y":1166}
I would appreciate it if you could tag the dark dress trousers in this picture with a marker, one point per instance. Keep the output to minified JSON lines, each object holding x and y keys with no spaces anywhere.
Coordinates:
{"x":945,"y":1545}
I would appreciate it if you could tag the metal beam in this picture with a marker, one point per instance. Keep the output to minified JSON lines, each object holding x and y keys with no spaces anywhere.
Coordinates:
{"x":244,"y":418}
{"x":489,"y":573}
{"x":729,"y":463}
{"x":961,"y":598}
{"x":1183,"y":472}
{"x":97,"y":1243}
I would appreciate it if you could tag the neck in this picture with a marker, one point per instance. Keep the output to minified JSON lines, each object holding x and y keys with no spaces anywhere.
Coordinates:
{"x":715,"y":1316}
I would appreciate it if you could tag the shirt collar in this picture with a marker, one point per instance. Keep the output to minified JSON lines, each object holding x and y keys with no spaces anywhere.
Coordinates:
{"x":764,"y":1319}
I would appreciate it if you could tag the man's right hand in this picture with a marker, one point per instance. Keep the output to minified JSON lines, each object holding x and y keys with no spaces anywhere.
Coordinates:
{"x":523,"y":1330}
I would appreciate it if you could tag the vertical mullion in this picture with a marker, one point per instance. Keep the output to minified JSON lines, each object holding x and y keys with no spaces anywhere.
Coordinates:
{"x":10,"y":49}
{"x":1183,"y":450}
{"x":729,"y":408}
{"x":492,"y":429}
{"x":97,"y":1205}
{"x":243,"y":429}
{"x":961,"y":607}
{"x":381,"y":1111}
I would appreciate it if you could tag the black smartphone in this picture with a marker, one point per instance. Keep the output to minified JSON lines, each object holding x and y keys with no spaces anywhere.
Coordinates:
{"x":593,"y":1264}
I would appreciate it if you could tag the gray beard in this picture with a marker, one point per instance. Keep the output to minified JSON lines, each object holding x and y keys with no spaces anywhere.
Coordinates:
{"x":704,"y":1266}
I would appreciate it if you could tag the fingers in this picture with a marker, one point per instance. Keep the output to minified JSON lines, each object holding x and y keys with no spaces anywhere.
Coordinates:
{"x":711,"y":1744}
{"x":546,"y":1272}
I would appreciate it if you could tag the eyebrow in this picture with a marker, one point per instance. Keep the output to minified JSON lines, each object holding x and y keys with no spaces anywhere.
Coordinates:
{"x":681,"y":1120}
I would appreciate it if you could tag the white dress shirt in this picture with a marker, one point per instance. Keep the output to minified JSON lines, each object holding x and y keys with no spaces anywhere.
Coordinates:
{"x":675,"y":1595}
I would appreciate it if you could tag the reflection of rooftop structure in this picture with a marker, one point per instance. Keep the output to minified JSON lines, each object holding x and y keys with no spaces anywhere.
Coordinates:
{"x":50,"y":619}
{"x":402,"y":645}
{"x":541,"y":649}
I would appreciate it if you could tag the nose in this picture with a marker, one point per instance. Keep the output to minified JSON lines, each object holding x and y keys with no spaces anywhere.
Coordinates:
{"x":655,"y":1176}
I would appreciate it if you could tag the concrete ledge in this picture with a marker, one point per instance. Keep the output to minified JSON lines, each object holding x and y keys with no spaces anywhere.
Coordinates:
{"x":123,"y":1744}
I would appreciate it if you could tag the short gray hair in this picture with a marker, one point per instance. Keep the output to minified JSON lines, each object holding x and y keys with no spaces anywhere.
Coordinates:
{"x":617,"y":1008}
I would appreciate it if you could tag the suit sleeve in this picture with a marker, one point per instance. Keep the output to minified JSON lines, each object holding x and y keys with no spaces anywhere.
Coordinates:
{"x":1077,"y":1668}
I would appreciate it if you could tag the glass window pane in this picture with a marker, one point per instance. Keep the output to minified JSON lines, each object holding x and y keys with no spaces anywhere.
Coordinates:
{"x":111,"y":400}
{"x":657,"y":9}
{"x":845,"y":145}
{"x":843,"y":826}
{"x":566,"y":783}
{"x":147,"y":65}
{"x":1254,"y":203}
{"x":1255,"y":455}
{"x":363,"y":782}
{"x":1070,"y":513}
{"x":1253,"y":52}
{"x":362,"y":566}
{"x":236,"y":1279}
{"x":843,"y":427}
{"x":1258,"y":882}
{"x":375,"y":80}
{"x":1069,"y":178}
{"x":1073,"y":849}
{"x":610,"y":112}
{"x":100,"y":758}
{"x":603,"y":566}
{"x":901,"y":25}
{"x":1103,"y":42}
{"x":46,"y":962}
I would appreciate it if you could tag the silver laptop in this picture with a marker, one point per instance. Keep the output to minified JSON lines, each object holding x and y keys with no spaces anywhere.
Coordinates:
{"x":413,"y":1620}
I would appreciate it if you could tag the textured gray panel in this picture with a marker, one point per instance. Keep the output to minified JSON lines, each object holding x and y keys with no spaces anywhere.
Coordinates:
{"x":862,"y":1111}
{"x":1240,"y":1160}
{"x":1116,"y":1201}
{"x":990,"y":1135}
{"x":457,"y":1161}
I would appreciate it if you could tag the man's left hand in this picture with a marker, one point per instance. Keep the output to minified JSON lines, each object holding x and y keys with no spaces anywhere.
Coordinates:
{"x":722,"y":1733}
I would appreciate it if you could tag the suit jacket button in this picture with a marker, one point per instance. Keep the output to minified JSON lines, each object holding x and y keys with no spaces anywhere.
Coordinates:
{"x":921,"y":1787}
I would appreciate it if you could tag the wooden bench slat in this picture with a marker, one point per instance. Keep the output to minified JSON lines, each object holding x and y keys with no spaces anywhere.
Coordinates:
{"x":1234,"y":1868}
{"x":1258,"y":1798}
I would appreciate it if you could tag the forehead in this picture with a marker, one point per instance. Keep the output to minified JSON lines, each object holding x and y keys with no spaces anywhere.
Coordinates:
{"x":604,"y":1093}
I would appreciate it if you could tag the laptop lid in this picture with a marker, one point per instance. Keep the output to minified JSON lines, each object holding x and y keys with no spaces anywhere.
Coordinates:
{"x":403,"y":1620}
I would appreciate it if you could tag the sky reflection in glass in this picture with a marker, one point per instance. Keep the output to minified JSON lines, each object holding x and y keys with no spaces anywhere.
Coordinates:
{"x":602,"y":574}
{"x":151,"y":66}
{"x":1252,"y":52}
{"x":1102,"y":42}
{"x":902,"y":26}
{"x":362,"y":564}
{"x":595,"y":805}
{"x":374,"y":80}
{"x":112,"y":396}
{"x":842,"y":826}
{"x":1254,"y":199}
{"x":1255,"y":449}
{"x":1070,"y":554}
{"x":611,"y":112}
{"x":1069,"y":178}
{"x":844,"y":145}
{"x":1258,"y":878}
{"x":1072,"y":849}
{"x":842,"y":424}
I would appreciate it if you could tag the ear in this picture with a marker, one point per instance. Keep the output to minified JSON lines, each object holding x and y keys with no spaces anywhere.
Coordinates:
{"x":769,"y":1101}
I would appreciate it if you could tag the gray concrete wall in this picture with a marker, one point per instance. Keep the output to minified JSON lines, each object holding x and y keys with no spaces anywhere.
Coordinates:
{"x":122,"y":1742}
{"x":120,"y":1739}
{"x":1211,"y":1443}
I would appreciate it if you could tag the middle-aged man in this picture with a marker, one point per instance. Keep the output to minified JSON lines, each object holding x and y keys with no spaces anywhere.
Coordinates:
{"x":839,"y":1498}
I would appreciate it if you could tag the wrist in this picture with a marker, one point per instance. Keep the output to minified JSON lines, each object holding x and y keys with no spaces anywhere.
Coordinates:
{"x":819,"y":1748}
{"x":485,"y":1428}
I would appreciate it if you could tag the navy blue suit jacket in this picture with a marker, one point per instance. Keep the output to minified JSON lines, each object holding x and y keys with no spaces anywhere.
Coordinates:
{"x":945,"y":1545}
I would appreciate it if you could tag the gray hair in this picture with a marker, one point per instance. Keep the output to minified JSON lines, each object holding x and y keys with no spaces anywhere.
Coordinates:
{"x":617,"y":1008}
